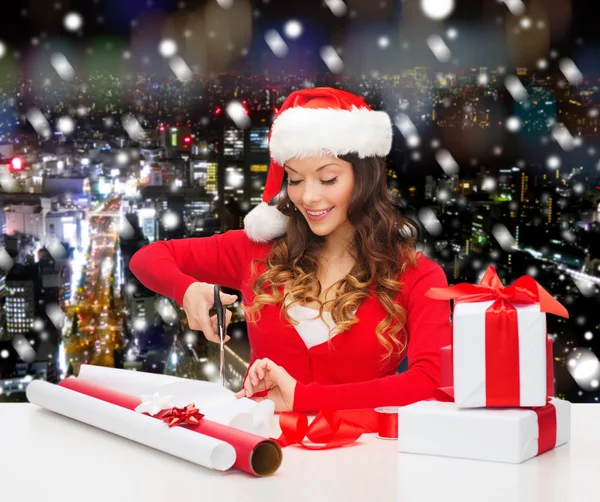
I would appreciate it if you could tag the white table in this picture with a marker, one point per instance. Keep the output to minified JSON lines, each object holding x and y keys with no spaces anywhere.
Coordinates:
{"x":44,"y":456}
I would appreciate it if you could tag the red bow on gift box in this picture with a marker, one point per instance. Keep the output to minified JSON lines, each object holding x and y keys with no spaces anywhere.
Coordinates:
{"x":501,"y":327}
{"x":524,"y":290}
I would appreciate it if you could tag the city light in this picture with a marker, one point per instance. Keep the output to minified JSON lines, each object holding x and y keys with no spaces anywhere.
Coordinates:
{"x":16,"y":164}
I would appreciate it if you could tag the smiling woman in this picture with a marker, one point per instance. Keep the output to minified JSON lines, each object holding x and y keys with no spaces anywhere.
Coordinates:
{"x":333,"y":288}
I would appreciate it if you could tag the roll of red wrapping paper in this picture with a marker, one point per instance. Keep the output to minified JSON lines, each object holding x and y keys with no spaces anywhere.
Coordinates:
{"x":387,"y":427}
{"x":254,"y":454}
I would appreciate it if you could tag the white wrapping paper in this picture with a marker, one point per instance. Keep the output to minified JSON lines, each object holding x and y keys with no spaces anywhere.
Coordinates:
{"x":177,"y":441}
{"x":468,"y":341}
{"x":215,"y":402}
{"x":498,"y":434}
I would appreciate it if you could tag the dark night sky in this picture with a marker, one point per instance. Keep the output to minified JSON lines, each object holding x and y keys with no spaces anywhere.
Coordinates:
{"x":24,"y":19}
{"x":43,"y":16}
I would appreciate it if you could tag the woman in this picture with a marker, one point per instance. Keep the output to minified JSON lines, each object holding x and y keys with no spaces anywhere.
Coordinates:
{"x":332,"y":284}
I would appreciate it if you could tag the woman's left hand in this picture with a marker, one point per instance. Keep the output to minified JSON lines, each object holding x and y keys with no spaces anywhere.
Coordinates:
{"x":265,"y":374}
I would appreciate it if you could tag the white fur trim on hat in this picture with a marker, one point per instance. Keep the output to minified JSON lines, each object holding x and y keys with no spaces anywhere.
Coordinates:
{"x":264,"y":223}
{"x":306,"y":132}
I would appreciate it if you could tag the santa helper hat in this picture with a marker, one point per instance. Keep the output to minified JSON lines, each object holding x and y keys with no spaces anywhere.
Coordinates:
{"x":313,"y":122}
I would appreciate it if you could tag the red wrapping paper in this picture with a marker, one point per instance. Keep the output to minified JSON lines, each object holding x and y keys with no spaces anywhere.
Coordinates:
{"x":254,"y":454}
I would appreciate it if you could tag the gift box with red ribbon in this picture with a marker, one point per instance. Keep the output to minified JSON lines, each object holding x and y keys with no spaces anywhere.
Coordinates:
{"x":503,"y":435}
{"x":447,"y":367}
{"x":499,"y":341}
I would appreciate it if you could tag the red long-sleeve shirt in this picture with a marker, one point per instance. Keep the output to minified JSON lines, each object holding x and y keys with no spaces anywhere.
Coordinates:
{"x":344,"y":374}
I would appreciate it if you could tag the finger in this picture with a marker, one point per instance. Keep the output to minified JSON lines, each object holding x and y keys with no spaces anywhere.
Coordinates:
{"x":241,"y":393}
{"x":215,"y":326}
{"x":248,"y":387}
{"x":205,"y":326}
{"x":228,"y":316}
{"x":252,"y":375}
{"x":228,"y":299}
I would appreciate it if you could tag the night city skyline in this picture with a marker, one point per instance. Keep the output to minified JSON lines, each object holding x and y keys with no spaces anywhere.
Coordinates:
{"x":123,"y":123}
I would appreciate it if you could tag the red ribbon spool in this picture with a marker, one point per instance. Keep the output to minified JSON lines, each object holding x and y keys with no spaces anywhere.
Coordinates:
{"x":387,"y":422}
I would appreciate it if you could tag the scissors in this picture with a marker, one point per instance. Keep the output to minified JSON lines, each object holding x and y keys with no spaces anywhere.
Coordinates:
{"x":221,"y":328}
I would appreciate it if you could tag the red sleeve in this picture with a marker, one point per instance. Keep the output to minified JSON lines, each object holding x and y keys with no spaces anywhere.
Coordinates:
{"x":169,"y":267}
{"x":429,"y":329}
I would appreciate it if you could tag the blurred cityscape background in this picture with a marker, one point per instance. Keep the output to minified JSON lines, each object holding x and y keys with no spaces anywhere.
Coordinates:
{"x":123,"y":123}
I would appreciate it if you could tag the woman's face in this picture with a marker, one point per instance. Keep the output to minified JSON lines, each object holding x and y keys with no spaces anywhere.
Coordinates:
{"x":318,"y":184}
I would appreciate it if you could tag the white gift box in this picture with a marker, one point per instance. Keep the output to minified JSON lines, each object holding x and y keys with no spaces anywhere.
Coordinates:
{"x":469,"y":354}
{"x":497,"y":434}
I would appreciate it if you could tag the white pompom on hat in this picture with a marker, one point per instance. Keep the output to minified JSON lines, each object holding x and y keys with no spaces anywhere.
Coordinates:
{"x":314,"y":122}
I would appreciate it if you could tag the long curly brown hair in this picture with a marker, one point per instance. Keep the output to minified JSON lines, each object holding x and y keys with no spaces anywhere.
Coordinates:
{"x":384,"y":246}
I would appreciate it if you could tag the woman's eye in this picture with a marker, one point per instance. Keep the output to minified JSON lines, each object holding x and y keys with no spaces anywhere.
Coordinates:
{"x":325,"y":182}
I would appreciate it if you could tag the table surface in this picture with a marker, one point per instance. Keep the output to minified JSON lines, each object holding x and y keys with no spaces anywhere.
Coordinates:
{"x":45,"y":456}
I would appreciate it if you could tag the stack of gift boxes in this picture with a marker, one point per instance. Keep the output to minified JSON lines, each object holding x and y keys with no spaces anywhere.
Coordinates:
{"x":496,"y":400}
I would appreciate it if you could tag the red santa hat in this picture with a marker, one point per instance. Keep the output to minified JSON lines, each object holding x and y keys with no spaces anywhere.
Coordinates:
{"x":314,"y":122}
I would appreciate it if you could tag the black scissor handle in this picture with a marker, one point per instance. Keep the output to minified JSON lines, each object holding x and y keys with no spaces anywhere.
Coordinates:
{"x":220,"y":316}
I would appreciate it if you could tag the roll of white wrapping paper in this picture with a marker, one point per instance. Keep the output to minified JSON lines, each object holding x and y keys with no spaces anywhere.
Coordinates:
{"x":177,"y":441}
{"x":135,"y":383}
{"x":215,"y":402}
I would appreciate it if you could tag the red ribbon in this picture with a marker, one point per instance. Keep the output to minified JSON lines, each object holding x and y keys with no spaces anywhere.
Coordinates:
{"x":547,"y":425}
{"x":331,"y":429}
{"x":189,"y":415}
{"x":501,"y":328}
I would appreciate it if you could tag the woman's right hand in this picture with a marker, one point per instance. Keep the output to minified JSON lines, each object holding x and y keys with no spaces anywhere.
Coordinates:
{"x":199,"y":298}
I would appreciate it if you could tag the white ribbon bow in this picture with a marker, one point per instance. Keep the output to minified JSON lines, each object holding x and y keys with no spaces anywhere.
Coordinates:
{"x":154,"y":403}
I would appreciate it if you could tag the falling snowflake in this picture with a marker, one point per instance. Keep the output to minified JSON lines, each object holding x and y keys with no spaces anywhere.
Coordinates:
{"x":39,"y":122}
{"x":446,"y":161}
{"x":62,"y":66}
{"x":513,"y":124}
{"x":588,"y":335}
{"x":587,"y":289}
{"x":126,"y":230}
{"x":2,"y":49}
{"x":383,"y":42}
{"x":133,"y":128}
{"x":505,"y":239}
{"x":488,"y":184}
{"x":181,"y":70}
{"x":553,"y":162}
{"x":542,"y":64}
{"x":452,"y":33}
{"x":515,"y":87}
{"x":439,"y":48}
{"x":337,"y":7}
{"x":430,"y":221}
{"x":563,"y":137}
{"x":437,"y":9}
{"x":167,"y":48}
{"x":23,"y":348}
{"x":516,"y":7}
{"x":276,"y":43}
{"x":332,"y":59}
{"x":170,"y":220}
{"x":525,"y":23}
{"x":238,"y":114}
{"x":570,"y":71}
{"x":73,"y":21}
{"x":483,"y":79}
{"x":56,"y":248}
{"x":293,"y":28}
{"x":66,"y":125}
{"x":225,"y":4}
{"x":56,"y":315}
